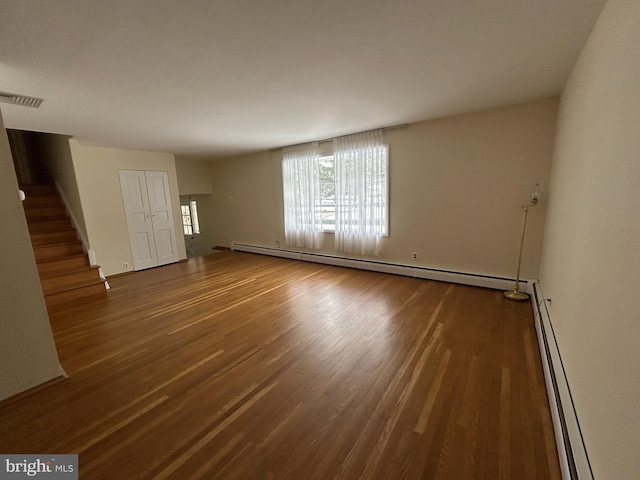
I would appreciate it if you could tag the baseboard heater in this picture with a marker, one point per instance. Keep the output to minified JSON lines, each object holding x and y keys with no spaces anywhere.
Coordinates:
{"x":574,"y":461}
{"x":464,"y":278}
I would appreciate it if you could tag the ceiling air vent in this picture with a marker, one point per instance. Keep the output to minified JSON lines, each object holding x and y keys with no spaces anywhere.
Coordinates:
{"x":20,"y":100}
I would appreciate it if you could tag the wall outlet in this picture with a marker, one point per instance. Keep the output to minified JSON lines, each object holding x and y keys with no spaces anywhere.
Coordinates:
{"x":414,"y":255}
{"x":125,"y":265}
{"x":278,"y":243}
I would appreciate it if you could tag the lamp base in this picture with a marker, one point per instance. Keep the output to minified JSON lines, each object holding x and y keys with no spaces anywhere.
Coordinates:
{"x":516,"y":295}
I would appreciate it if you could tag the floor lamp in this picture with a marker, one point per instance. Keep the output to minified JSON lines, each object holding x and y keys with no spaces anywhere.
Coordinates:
{"x":516,"y":294}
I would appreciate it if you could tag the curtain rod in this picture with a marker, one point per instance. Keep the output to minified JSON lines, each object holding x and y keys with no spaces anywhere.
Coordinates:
{"x":392,"y":127}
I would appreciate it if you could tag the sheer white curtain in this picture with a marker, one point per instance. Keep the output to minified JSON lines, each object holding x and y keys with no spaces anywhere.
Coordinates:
{"x":301,"y":188}
{"x":361,"y":192}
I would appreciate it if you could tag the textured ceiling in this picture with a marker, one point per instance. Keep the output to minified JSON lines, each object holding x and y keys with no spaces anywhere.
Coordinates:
{"x":218,"y":78}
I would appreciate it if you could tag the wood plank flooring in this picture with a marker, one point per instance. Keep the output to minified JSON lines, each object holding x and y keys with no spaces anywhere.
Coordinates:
{"x":251,"y":367}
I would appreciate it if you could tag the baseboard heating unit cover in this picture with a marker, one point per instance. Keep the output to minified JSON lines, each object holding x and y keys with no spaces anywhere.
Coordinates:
{"x":574,"y":461}
{"x":464,"y":278}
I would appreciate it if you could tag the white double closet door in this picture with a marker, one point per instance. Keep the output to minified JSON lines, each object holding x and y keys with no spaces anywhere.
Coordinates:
{"x":147,"y":203}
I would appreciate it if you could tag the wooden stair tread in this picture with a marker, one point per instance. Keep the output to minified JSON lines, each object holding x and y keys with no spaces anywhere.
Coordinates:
{"x":72,"y":270}
{"x":44,"y":211}
{"x":66,"y":230}
{"x":38,"y":220}
{"x":36,"y":189}
{"x":57,"y":250}
{"x":40,"y":192}
{"x":51,"y":260}
{"x":48,"y":226}
{"x":49,"y":267}
{"x":73,"y":286}
{"x":42,"y":200}
{"x":74,"y":242}
{"x":53,"y":237}
{"x":69,"y":281}
{"x":44,"y":261}
{"x":52,"y":217}
{"x":56,"y":244}
{"x":77,"y":293}
{"x":53,"y":306}
{"x":42,"y":207}
{"x":37,"y":207}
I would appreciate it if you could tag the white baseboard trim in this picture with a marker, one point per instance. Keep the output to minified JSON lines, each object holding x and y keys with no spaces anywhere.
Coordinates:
{"x":103,"y":277}
{"x":574,"y":460}
{"x":464,"y":278}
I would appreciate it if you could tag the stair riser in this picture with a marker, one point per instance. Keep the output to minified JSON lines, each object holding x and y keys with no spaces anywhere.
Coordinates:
{"x":48,"y":252}
{"x":45,"y":212}
{"x":52,"y":225}
{"x":63,"y":265}
{"x":49,"y":238}
{"x":70,"y":280}
{"x":34,"y":190}
{"x":42,"y":201}
{"x":75,"y":294}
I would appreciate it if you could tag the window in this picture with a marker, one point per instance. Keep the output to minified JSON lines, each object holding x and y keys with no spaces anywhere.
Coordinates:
{"x":378,"y":193}
{"x":346,"y":193}
{"x":327,"y":197}
{"x":190,"y":223}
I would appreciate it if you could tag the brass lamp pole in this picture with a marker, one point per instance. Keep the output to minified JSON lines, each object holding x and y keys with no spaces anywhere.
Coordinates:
{"x":516,"y":294}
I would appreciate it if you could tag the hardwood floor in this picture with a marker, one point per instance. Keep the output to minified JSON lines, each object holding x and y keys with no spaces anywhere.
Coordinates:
{"x":252,"y":367}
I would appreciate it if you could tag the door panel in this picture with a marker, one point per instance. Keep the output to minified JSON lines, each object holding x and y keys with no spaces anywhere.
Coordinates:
{"x":143,"y":243}
{"x":162,"y":216}
{"x":136,"y":205}
{"x":136,"y":191}
{"x":164,"y":245}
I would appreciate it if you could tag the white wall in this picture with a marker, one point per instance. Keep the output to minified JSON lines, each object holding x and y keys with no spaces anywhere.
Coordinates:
{"x":456,"y":187}
{"x":99,"y":186}
{"x":194,"y":176}
{"x":591,"y":260}
{"x":28,"y":354}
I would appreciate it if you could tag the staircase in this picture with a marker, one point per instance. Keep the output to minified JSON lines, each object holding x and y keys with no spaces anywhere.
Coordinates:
{"x":63,"y":266}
